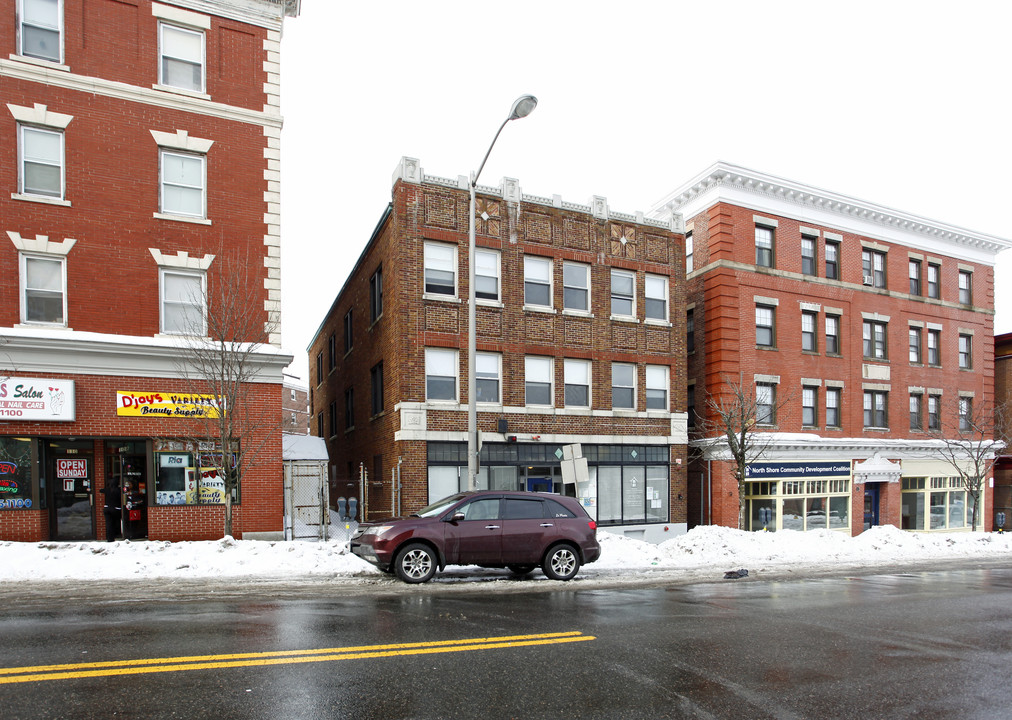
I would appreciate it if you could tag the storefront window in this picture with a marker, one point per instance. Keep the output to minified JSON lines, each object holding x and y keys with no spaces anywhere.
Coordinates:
{"x":945,"y":500}
{"x":188,"y":475}
{"x":15,"y":473}
{"x":815,"y":504}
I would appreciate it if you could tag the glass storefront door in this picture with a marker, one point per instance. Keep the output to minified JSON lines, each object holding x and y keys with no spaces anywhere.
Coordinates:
{"x":70,"y":468}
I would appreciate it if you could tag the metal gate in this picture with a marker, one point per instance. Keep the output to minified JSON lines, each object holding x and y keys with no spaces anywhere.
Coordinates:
{"x":307,"y":501}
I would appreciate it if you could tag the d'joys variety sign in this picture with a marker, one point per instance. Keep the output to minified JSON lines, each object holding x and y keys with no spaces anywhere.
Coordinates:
{"x":162,"y":404}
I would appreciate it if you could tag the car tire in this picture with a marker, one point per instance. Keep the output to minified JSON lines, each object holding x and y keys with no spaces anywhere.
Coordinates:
{"x":521,"y":569}
{"x":562,"y":562}
{"x":415,"y":563}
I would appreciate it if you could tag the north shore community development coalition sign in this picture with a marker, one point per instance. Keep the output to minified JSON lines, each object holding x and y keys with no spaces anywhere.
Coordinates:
{"x":172,"y":405}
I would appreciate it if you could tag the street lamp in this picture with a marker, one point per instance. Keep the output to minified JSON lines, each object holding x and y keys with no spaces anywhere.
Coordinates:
{"x":522,"y":107}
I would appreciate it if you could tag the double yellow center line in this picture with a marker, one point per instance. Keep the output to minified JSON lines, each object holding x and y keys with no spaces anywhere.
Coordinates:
{"x":70,"y":671}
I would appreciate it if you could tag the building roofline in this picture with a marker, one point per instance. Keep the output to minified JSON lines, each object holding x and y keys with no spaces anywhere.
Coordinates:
{"x":726,"y":182}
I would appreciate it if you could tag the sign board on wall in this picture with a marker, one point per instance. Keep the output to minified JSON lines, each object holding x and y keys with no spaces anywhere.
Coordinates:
{"x":71,"y":468}
{"x":799,"y":469}
{"x":169,"y":405}
{"x":31,"y":398}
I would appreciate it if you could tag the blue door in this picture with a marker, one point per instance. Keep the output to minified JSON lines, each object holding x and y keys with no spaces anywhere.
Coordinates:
{"x":870,"y":506}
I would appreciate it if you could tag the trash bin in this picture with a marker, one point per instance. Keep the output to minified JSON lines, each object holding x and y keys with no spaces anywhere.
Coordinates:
{"x":135,"y":517}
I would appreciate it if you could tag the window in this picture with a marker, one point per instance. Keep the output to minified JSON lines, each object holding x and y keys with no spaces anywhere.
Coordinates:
{"x":763,"y":246}
{"x":765,"y":330}
{"x":319,"y":371}
{"x":832,"y":260}
{"x":655,"y":290}
{"x":440,"y":374}
{"x":965,"y":287}
{"x":376,"y":295}
{"x":690,"y":331}
{"x":765,"y":403}
{"x":182,"y":57}
{"x":319,"y":425}
{"x":915,"y":277}
{"x":875,"y":406}
{"x":808,"y":322}
{"x":349,"y":408}
{"x":440,"y":269}
{"x":809,"y":406}
{"x":915,"y":345}
{"x":623,"y":289}
{"x":934,"y":347}
{"x":41,"y":28}
{"x":486,"y":274}
{"x":965,"y":414}
{"x":43,"y":290}
{"x":832,"y":335}
{"x":349,"y":331}
{"x":577,"y":383}
{"x":576,"y":287}
{"x":833,"y":407}
{"x":657,"y":387}
{"x":183,"y":303}
{"x":292,"y":395}
{"x":538,"y":376}
{"x":486,"y":377}
{"x":688,"y":252}
{"x":182,"y":184}
{"x":537,"y":281}
{"x":965,"y":352}
{"x":875,"y":340}
{"x":934,"y":412}
{"x":807,"y":255}
{"x":916,"y":419}
{"x":873,"y":263}
{"x":934,"y":284}
{"x":332,"y":417}
{"x":623,"y":386}
{"x":376,"y":385}
{"x":41,"y":162}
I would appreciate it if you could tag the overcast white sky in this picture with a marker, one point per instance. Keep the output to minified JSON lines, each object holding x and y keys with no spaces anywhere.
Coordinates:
{"x":905,"y":104}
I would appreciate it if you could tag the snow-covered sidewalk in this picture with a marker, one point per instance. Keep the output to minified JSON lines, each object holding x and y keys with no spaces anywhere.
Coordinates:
{"x":709,"y":549}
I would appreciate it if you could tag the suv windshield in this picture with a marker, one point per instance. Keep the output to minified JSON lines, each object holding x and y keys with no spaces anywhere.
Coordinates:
{"x":440,"y":505}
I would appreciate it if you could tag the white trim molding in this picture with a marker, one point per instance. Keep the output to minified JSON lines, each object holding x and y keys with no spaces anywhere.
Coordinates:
{"x":41,"y":244}
{"x":40,"y":115}
{"x":181,"y":140}
{"x":181,"y":260}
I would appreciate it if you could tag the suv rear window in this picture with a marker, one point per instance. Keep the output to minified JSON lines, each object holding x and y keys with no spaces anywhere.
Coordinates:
{"x":558,"y":510}
{"x":517,"y":509}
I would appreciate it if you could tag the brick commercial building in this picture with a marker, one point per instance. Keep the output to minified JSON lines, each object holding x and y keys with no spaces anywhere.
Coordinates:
{"x":861,"y":334}
{"x":140,"y":177}
{"x":579,"y":342}
{"x":295,"y":406}
{"x":1003,"y":399}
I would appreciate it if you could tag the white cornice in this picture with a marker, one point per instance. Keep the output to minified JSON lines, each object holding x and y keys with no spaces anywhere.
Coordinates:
{"x":263,"y":13}
{"x":792,"y":446}
{"x":41,"y":351}
{"x":724,"y":182}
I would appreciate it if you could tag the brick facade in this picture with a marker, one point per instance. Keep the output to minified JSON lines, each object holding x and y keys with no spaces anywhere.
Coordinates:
{"x":1003,"y":400}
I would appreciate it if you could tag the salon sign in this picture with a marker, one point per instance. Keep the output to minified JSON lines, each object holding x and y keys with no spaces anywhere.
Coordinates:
{"x":168,"y":405}
{"x":32,"y":398}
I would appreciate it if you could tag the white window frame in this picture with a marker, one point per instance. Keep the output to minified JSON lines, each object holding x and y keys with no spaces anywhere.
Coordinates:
{"x":765,"y":239}
{"x":24,"y":259}
{"x":22,"y":160}
{"x":539,"y":369}
{"x":578,"y":373}
{"x":964,"y":348}
{"x":655,"y":294}
{"x":615,"y":384}
{"x":162,"y":154}
{"x":568,"y":286}
{"x":433,"y":259}
{"x":834,"y":399}
{"x":162,"y":79}
{"x":761,"y":324}
{"x":487,"y":264}
{"x":202,"y":276}
{"x":965,"y":284}
{"x":689,"y":250}
{"x":630,"y":298}
{"x":766,"y":396}
{"x":22,"y":22}
{"x":811,"y":259}
{"x":658,"y":381}
{"x":539,"y":279}
{"x":442,"y":356}
{"x":809,"y":404}
{"x":488,"y":367}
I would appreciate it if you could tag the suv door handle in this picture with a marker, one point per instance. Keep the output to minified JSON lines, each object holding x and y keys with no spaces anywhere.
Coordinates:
{"x":491,"y":527}
{"x":547,"y":524}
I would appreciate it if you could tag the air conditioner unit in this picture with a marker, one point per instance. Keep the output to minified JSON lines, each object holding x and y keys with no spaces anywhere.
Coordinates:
{"x":868,"y":279}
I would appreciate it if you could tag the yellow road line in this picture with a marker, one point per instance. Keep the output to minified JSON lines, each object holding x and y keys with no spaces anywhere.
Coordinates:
{"x":141,"y":666}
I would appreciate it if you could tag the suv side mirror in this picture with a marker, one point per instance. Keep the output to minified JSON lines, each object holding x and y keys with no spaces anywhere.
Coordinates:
{"x":456,"y":517}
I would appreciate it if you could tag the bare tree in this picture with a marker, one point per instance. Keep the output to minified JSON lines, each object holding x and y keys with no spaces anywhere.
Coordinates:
{"x":222,"y":359}
{"x":732,"y":424}
{"x":972,"y":442}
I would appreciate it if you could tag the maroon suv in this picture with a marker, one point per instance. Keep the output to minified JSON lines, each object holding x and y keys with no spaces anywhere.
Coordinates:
{"x":489,"y":528}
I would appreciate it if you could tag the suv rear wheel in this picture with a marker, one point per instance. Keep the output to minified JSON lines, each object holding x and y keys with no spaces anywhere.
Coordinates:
{"x":415,"y":563}
{"x":561,"y":563}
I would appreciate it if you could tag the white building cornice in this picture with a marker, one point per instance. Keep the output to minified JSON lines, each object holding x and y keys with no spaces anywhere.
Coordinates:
{"x":724,"y":182}
{"x":793,"y":446}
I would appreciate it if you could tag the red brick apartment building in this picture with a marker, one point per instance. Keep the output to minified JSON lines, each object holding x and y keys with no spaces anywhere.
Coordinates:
{"x":862,"y":331}
{"x":140,"y":151}
{"x":580,"y":341}
{"x":295,"y":405}
{"x":1003,"y":399}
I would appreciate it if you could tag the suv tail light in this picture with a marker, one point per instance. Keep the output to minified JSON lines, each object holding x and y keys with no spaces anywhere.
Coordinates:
{"x":592,"y":524}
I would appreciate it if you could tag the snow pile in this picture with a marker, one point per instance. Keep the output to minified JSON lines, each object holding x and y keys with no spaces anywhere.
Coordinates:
{"x":701,"y":549}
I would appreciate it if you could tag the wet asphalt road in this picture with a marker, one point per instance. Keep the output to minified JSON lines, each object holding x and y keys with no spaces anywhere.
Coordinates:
{"x":905,"y":645}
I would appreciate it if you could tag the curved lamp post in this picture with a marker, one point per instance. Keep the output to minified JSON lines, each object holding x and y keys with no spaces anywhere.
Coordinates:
{"x":522,"y":107}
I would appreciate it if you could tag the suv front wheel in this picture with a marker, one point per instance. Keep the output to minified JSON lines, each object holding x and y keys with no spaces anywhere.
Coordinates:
{"x":415,"y":563}
{"x":561,"y":563}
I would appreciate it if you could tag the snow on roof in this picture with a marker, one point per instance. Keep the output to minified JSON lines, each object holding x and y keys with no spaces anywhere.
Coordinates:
{"x":303,"y":447}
